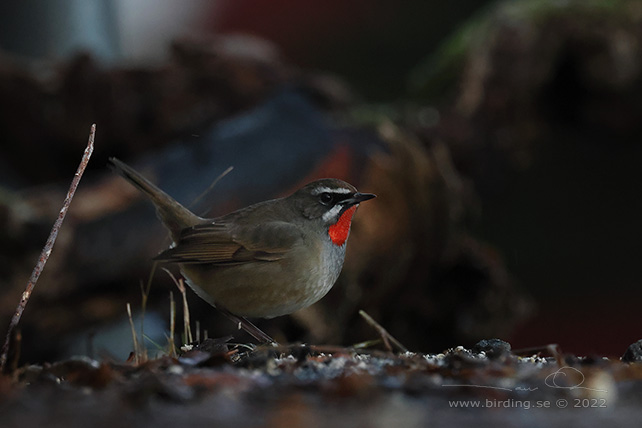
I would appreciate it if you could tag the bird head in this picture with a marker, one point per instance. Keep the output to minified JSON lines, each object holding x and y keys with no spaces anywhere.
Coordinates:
{"x":332,"y":203}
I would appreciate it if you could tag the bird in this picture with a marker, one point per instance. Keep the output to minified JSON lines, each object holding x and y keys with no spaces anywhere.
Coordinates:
{"x":265,"y":260}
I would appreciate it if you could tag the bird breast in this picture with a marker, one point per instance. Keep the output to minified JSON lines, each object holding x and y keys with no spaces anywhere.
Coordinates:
{"x":268,"y":289}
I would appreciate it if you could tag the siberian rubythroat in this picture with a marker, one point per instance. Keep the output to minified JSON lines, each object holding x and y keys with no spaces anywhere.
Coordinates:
{"x":265,"y":260}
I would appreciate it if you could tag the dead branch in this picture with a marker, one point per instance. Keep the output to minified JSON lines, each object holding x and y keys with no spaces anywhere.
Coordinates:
{"x":46,"y":251}
{"x":385,"y":336}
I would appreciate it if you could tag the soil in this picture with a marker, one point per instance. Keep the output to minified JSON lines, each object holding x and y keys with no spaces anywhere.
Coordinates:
{"x":226,"y":384}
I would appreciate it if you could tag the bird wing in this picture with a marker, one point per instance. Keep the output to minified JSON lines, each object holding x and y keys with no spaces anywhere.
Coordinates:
{"x":219,"y":243}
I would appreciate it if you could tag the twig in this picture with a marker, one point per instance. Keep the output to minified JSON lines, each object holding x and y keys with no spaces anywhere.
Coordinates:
{"x":211,"y":186}
{"x":172,"y":324}
{"x":385,"y":336}
{"x":134,"y":336}
{"x":367,"y":344}
{"x":144,"y":290}
{"x":553,"y":349}
{"x":187,"y":329}
{"x":46,"y":251}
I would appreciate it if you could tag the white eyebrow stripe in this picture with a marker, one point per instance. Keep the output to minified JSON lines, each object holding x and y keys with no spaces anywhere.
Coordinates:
{"x":323,"y":189}
{"x":332,"y":213}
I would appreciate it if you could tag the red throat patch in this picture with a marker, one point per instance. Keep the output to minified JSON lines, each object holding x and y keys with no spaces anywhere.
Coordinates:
{"x":339,"y":231}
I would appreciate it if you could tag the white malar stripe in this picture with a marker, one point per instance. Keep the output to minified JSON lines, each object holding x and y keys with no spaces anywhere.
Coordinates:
{"x":323,"y":189}
{"x":332,"y":213}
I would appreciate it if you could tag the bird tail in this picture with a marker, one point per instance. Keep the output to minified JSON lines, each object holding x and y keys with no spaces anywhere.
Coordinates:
{"x":173,"y":215}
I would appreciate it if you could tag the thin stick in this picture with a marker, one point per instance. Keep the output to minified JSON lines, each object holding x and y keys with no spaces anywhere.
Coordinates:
{"x":211,"y":186}
{"x":172,"y":324}
{"x":187,"y":330}
{"x":367,"y":344}
{"x":134,"y":338}
{"x":46,"y":251}
{"x":144,"y":290}
{"x":553,"y":350}
{"x":385,"y":336}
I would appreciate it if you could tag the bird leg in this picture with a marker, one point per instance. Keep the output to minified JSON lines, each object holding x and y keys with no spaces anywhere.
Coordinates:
{"x":246,"y":325}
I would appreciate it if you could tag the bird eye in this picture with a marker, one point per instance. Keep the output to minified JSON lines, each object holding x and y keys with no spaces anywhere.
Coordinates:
{"x":325,"y":198}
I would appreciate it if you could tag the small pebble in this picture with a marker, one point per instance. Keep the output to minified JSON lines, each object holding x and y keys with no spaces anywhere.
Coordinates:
{"x":634,"y":353}
{"x":493,"y":348}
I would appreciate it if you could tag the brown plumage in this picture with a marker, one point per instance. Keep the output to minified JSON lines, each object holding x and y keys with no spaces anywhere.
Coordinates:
{"x":264,"y":260}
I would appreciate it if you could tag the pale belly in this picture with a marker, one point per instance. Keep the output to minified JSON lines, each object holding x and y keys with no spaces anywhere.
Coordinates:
{"x":265,"y":289}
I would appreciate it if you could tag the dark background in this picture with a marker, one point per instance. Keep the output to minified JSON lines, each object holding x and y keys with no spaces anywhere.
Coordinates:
{"x":566,"y":222}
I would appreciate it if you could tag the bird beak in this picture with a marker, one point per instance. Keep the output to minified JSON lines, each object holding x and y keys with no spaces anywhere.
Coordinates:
{"x":359,"y":197}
